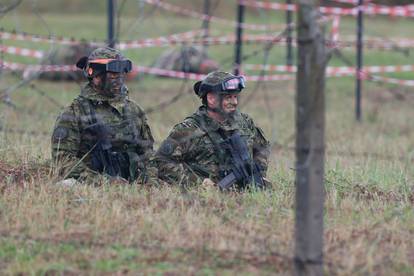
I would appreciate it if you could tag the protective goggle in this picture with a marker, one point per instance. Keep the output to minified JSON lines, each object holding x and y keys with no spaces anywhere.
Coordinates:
{"x":111,"y":65}
{"x":232,"y":84}
{"x":236,"y":83}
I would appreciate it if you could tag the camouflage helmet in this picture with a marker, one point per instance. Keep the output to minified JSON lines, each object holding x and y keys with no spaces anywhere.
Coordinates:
{"x":219,"y":82}
{"x":105,"y":53}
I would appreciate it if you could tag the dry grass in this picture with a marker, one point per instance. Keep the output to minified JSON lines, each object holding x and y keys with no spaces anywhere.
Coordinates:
{"x":84,"y":230}
{"x":369,"y":176}
{"x":165,"y":229}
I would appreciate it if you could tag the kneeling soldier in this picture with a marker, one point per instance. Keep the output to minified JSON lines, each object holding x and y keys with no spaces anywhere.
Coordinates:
{"x":103,"y":132}
{"x":216,"y":144}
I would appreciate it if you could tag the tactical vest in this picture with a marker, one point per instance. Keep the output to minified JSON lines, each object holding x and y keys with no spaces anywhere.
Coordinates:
{"x":217,"y":139}
{"x":132,"y":160}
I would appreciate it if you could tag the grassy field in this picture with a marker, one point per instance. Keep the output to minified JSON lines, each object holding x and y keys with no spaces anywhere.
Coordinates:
{"x":369,"y":175}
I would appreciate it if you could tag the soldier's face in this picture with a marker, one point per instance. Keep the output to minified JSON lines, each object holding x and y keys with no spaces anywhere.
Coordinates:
{"x":229,"y":103}
{"x":114,"y":82}
{"x":225,"y":104}
{"x":110,"y":83}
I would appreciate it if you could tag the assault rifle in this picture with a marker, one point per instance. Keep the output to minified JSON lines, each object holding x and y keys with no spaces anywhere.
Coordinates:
{"x":103,"y":158}
{"x":244,"y":171}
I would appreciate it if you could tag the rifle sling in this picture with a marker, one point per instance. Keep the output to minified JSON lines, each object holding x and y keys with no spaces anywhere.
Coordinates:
{"x":89,"y":109}
{"x":215,"y":136}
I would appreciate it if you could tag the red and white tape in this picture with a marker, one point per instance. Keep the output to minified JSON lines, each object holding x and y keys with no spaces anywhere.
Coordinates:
{"x":21,"y":51}
{"x":160,"y":41}
{"x":278,"y":77}
{"x":194,"y":14}
{"x":392,"y":80}
{"x":224,"y":40}
{"x":335,"y":30}
{"x":365,"y":74}
{"x":38,"y":67}
{"x":378,"y":42}
{"x":372,"y":43}
{"x":334,"y":71}
{"x":163,"y":41}
{"x":404,"y":11}
{"x":193,"y":76}
{"x":137,"y":69}
{"x":353,"y":2}
{"x":221,"y":40}
{"x":167,"y":73}
{"x":39,"y":38}
{"x":191,"y":38}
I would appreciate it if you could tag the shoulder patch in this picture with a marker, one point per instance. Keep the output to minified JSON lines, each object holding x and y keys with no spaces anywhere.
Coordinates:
{"x":189,"y":122}
{"x":185,"y":131}
{"x":60,"y":133}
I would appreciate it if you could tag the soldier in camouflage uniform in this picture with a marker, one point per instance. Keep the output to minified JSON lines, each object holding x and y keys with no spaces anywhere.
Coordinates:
{"x":191,"y":153}
{"x":103,"y":117}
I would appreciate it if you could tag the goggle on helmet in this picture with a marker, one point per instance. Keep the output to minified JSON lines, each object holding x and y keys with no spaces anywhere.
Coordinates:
{"x":229,"y":85}
{"x":94,"y":67}
{"x":98,"y":66}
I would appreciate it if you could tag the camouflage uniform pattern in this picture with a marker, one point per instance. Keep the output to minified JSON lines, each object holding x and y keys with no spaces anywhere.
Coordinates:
{"x":71,"y":143}
{"x":105,"y":52}
{"x":189,"y":154}
{"x":125,"y":121}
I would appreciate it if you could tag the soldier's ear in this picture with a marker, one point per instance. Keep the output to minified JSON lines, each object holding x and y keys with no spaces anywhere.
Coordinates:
{"x":196,"y":87}
{"x":81,"y":64}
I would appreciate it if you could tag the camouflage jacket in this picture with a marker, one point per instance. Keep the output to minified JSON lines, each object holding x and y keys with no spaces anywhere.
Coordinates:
{"x":189,"y":155}
{"x":72,"y":142}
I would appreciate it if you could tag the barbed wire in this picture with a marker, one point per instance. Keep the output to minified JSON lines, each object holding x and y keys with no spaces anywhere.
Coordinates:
{"x":275,"y":146}
{"x":24,"y":131}
{"x":21,"y":110}
{"x":5,"y":94}
{"x":161,"y":106}
{"x":44,"y":94}
{"x":370,"y":77}
{"x":266,"y":49}
{"x":5,"y":9}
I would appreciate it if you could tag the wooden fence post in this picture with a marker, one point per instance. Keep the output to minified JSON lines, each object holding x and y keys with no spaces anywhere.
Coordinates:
{"x":310,"y":144}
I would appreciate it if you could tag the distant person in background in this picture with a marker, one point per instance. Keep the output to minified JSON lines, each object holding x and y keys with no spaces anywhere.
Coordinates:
{"x":103,"y":132}
{"x":217,"y":145}
{"x":191,"y":59}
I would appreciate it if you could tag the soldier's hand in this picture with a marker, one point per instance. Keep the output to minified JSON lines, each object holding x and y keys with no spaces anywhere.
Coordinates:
{"x":208,"y":183}
{"x":118,"y":181}
{"x":267,"y":182}
{"x":70,"y":182}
